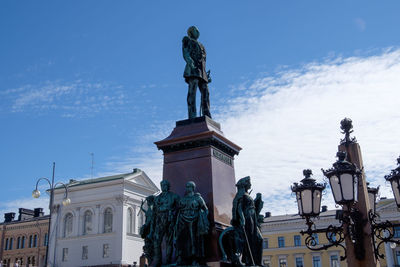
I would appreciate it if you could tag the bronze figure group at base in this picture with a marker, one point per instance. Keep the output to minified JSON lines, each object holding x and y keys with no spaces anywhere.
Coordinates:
{"x":182,"y":224}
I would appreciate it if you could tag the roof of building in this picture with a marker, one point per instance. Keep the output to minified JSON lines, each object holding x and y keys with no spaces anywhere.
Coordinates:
{"x":74,"y":183}
{"x":33,"y":219}
{"x":288,"y":217}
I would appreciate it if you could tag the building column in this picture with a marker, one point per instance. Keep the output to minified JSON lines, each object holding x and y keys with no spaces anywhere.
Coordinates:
{"x":389,"y":255}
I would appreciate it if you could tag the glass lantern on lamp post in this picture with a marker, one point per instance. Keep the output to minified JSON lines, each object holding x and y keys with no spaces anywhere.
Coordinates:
{"x":308,"y":195}
{"x":343,"y":179}
{"x":394,"y":179}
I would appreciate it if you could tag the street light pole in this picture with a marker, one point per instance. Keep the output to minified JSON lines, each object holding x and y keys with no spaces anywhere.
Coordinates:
{"x":66,"y":201}
{"x":352,"y":148}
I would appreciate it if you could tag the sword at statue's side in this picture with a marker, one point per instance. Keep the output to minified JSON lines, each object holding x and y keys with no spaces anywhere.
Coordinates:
{"x":248,"y":245}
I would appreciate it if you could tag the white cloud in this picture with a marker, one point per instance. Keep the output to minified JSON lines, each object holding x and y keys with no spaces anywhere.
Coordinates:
{"x":291,"y":122}
{"x":71,"y":99}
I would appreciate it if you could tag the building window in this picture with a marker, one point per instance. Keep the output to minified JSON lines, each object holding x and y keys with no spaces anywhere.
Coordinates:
{"x":334,"y":261}
{"x":282,"y":262}
{"x":281,"y":241}
{"x":23,"y":242}
{"x":65,"y":254}
{"x":68,"y":220}
{"x":297,"y":241}
{"x":30,"y":241}
{"x":6,"y":246}
{"x":299,"y":262}
{"x":35,"y":241}
{"x":46,"y":239}
{"x":331,"y":236}
{"x":398,"y":257}
{"x":315,"y":235}
{"x":267,"y":262}
{"x":265,"y":243}
{"x":397,"y":232}
{"x":106,"y":250}
{"x":19,"y":242}
{"x":140,"y":220}
{"x":33,"y":260}
{"x":108,"y":218}
{"x":130,"y":223}
{"x":85,"y":252}
{"x":10,"y":245}
{"x":316,"y":261}
{"x":87,"y":222}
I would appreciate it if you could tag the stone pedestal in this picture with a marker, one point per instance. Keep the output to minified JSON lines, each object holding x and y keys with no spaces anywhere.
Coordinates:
{"x":198,"y":151}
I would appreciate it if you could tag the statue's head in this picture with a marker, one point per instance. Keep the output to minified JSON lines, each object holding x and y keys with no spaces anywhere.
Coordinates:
{"x":193,"y":32}
{"x":165,"y":185}
{"x":150,"y":200}
{"x":190,"y":187}
{"x":244,"y":183}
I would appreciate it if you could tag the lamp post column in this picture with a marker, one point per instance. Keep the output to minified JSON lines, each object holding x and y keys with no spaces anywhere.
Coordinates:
{"x":354,"y":156}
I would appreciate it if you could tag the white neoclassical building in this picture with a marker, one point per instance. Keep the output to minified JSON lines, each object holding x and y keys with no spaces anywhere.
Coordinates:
{"x":101,"y":225}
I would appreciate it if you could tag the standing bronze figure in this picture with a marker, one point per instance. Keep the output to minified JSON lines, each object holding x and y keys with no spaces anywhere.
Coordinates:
{"x":191,"y":227}
{"x":147,"y":229}
{"x":165,"y":205}
{"x":195,"y":73}
{"x":245,"y":220}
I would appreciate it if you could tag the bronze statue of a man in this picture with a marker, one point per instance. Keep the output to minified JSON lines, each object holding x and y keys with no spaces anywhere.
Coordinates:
{"x":191,"y":227}
{"x":165,"y":206}
{"x":245,"y":220}
{"x":146,"y":230}
{"x":195,"y":73}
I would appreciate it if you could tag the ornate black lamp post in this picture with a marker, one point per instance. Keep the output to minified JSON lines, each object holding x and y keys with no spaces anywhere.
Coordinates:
{"x":344,"y":178}
{"x":66,"y":201}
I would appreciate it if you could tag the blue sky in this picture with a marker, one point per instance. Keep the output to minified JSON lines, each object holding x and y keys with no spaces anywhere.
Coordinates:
{"x":106,"y":77}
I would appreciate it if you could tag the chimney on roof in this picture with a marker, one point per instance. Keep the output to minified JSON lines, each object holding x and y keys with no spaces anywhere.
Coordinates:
{"x":9,"y":217}
{"x":324,"y":208}
{"x":135,"y":170}
{"x":267,"y":214}
{"x":38,"y":212}
{"x":25,"y":214}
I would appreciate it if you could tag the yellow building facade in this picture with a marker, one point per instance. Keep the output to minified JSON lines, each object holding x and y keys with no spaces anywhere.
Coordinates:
{"x":284,"y":246}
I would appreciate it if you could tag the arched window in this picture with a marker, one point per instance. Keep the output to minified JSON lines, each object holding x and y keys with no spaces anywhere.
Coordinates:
{"x":19,"y":242}
{"x":140,"y":220}
{"x":68,"y":224}
{"x":35,"y":241}
{"x":6,"y":246}
{"x":87,"y":222}
{"x":11,"y":244}
{"x":23,"y":242}
{"x":130,"y":222}
{"x":108,"y":218}
{"x":30,"y":241}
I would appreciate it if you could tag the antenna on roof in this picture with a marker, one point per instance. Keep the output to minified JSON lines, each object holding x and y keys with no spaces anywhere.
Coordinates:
{"x":91,"y":168}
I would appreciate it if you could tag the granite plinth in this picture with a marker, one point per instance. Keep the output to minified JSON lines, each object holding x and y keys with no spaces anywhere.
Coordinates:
{"x":198,"y":151}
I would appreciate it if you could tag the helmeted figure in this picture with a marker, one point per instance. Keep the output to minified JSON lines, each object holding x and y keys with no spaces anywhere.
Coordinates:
{"x":165,"y":205}
{"x":245,"y":220}
{"x":195,"y":73}
{"x":191,"y":227}
{"x":147,"y":229}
